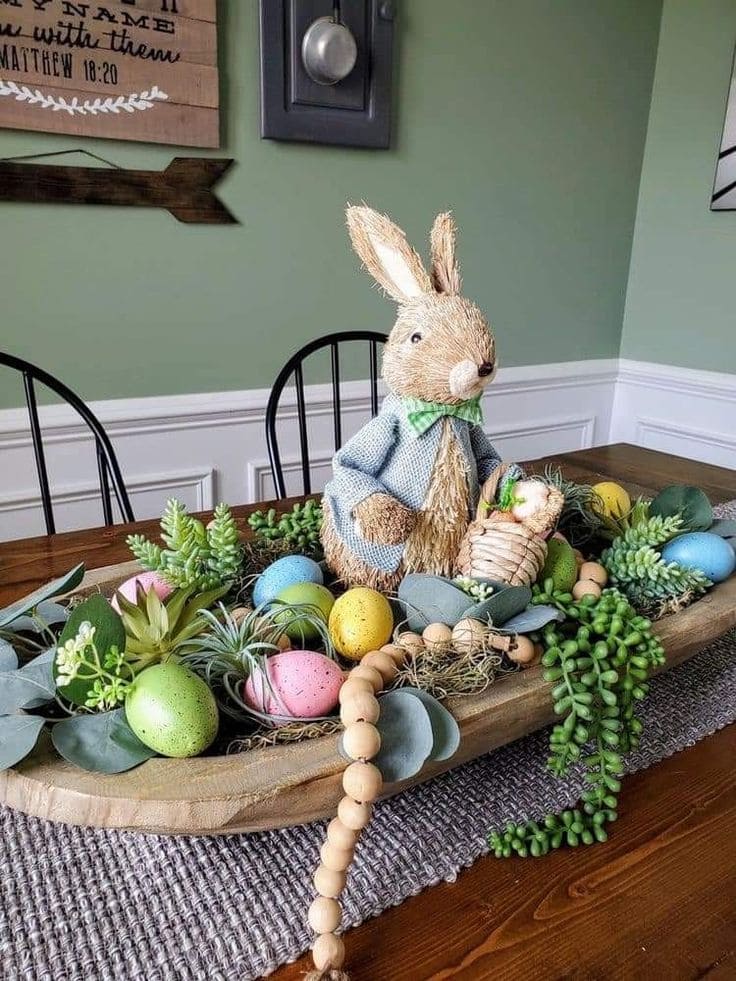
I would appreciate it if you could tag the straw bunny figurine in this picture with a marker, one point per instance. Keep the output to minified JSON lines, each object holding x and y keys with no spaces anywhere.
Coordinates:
{"x":405,"y":486}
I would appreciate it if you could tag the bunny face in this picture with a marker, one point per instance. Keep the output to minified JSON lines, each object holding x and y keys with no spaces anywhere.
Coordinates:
{"x":441,"y":348}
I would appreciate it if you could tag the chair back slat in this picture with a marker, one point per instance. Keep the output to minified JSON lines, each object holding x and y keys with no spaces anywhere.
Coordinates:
{"x":336,"y":420}
{"x":293,"y":369}
{"x":104,"y":483}
{"x":108,"y":468}
{"x":374,"y":378}
{"x":38,"y":453}
{"x":301,"y":409}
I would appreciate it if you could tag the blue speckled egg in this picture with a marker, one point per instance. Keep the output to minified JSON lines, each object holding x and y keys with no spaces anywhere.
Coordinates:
{"x":285,"y":572}
{"x":702,"y":550}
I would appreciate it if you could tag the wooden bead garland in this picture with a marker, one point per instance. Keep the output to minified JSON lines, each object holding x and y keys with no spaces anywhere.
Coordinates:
{"x":362,"y":782}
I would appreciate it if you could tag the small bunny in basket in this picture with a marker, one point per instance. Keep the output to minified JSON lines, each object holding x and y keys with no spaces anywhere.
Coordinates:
{"x":406,"y":486}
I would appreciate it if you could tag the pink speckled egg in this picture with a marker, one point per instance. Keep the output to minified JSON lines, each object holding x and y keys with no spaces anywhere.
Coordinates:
{"x":148,"y":581}
{"x":305,"y":684}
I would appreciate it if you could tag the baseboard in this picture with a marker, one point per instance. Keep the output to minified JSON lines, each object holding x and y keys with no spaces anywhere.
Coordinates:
{"x":211,"y":446}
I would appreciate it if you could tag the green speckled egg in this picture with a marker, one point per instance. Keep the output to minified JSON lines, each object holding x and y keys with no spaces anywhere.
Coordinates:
{"x":172,"y":711}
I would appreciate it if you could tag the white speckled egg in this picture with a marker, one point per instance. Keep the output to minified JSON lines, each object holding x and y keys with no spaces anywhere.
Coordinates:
{"x":304,"y":683}
{"x":285,"y":572}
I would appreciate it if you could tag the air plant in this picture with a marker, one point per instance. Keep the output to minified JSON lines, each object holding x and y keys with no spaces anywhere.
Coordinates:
{"x":237,"y":644}
{"x":578,"y":522}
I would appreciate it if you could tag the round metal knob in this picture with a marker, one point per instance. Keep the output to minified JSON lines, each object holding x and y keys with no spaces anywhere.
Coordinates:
{"x":329,"y":51}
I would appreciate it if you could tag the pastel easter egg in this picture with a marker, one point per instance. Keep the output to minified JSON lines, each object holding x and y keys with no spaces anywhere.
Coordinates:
{"x":702,"y":550}
{"x":285,"y":572}
{"x":304,"y":684}
{"x":172,"y":710}
{"x":147,"y":582}
{"x":360,"y":621}
{"x":303,"y":603}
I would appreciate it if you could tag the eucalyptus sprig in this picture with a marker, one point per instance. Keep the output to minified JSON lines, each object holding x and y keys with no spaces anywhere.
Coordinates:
{"x":598,"y":660}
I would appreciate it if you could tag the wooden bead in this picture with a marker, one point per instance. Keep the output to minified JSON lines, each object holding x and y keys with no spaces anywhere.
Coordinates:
{"x":328,"y":882}
{"x":523,"y":650}
{"x":370,"y":674}
{"x":340,"y":835}
{"x":586,"y":587}
{"x":362,"y":782}
{"x":412,"y":643}
{"x":593,"y":571}
{"x":361,"y":707}
{"x":335,"y":859}
{"x":437,"y":638}
{"x":352,"y":686}
{"x":396,"y":652}
{"x":361,"y":741}
{"x":383,"y":663}
{"x":354,"y":814}
{"x":328,"y":952}
{"x":324,"y":915}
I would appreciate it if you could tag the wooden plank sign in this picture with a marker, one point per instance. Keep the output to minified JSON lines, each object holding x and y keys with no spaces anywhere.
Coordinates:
{"x":133,"y":70}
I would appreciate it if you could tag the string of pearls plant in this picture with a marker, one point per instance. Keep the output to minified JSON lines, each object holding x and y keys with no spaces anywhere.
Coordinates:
{"x":362,"y":783}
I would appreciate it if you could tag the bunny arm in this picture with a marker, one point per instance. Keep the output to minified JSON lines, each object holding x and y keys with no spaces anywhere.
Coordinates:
{"x":380,"y":517}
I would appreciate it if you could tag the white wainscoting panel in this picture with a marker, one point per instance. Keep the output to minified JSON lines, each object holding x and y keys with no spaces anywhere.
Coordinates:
{"x":208,"y":447}
{"x":685,"y":411}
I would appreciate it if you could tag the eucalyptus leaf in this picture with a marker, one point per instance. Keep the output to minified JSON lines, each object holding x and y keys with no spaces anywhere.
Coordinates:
{"x":501,"y":606}
{"x":18,"y":735}
{"x":8,"y":657}
{"x":445,"y":730}
{"x":46,"y":614}
{"x":407,"y":737}
{"x":533,"y":618}
{"x":29,"y":686}
{"x":109,"y":632}
{"x":689,"y":502}
{"x":56,"y":588}
{"x":431,"y":599}
{"x":725,"y":527}
{"x":103,"y":743}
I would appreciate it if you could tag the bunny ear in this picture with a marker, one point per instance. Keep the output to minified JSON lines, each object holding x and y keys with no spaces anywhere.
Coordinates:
{"x":445,"y":270}
{"x":387,"y":255}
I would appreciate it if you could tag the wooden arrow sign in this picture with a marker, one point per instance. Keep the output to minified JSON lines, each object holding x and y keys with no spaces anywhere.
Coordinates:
{"x":184,"y":188}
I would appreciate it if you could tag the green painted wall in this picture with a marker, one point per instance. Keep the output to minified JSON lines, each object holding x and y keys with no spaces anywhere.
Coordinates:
{"x":527,"y":118}
{"x":680,"y":304}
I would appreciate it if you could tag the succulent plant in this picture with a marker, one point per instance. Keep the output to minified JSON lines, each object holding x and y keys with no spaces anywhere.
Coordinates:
{"x":195,"y":556}
{"x":156,"y":631}
{"x":636,"y":567}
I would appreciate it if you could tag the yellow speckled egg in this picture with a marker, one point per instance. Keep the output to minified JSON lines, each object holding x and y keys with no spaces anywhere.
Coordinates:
{"x":360,"y":621}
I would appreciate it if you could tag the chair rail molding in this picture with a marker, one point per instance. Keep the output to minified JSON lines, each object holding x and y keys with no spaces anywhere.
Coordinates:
{"x":211,"y":446}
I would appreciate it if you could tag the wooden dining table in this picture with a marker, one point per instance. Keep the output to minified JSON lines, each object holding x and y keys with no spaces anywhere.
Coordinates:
{"x":658,"y":900}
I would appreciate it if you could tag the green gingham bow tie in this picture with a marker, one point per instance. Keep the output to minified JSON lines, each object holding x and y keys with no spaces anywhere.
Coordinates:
{"x":423,"y":415}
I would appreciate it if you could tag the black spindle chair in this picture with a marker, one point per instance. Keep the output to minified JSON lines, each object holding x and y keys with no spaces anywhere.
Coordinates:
{"x":294,"y":366}
{"x":108,"y":468}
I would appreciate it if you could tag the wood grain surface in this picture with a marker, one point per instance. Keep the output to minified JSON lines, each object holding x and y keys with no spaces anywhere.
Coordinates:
{"x":656,"y":901}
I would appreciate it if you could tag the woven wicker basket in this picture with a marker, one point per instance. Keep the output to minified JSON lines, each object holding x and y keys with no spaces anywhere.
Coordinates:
{"x":507,"y":551}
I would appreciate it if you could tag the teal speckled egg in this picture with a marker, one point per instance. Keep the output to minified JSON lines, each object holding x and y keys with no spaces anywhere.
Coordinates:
{"x":172,"y":711}
{"x":284,"y":572}
{"x":702,"y":550}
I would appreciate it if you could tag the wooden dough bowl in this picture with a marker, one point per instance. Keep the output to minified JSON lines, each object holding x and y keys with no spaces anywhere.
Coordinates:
{"x":293,"y":784}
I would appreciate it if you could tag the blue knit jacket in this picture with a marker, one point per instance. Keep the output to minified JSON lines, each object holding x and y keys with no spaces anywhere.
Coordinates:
{"x":387,"y":456}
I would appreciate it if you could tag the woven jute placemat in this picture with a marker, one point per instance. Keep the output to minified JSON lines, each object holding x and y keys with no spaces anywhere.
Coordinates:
{"x":92,"y":905}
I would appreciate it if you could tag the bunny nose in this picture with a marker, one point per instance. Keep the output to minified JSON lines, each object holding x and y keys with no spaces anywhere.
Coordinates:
{"x":485,"y":369}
